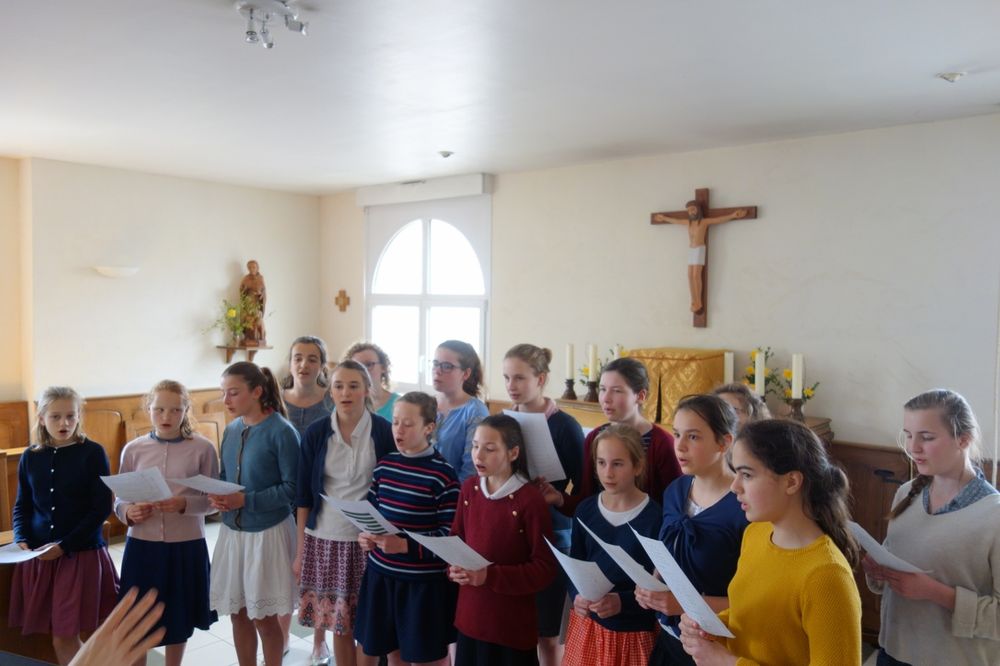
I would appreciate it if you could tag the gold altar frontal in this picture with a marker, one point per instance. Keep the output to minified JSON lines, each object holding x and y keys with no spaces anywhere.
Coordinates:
{"x":675,"y":372}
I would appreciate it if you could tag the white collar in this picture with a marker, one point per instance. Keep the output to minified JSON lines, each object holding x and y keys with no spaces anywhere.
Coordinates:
{"x":510,"y":485}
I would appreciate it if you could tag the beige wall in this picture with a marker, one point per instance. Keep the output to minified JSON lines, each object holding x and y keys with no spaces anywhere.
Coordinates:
{"x":190,"y":240}
{"x":10,"y":281}
{"x":342,"y":237}
{"x":875,"y":255}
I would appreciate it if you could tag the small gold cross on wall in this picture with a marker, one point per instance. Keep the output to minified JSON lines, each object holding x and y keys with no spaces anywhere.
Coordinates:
{"x":342,"y":300}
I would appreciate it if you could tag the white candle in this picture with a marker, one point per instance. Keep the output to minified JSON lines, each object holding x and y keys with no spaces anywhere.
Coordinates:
{"x":796,"y":376}
{"x":592,"y":363}
{"x":728,"y":359}
{"x":569,"y":362}
{"x":758,"y":374}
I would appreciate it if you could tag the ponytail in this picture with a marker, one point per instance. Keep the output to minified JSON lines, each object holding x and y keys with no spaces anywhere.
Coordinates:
{"x":788,"y":446}
{"x":254,"y":376}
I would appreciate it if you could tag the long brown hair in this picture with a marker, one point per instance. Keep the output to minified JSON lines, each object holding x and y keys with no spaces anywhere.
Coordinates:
{"x":321,"y":379}
{"x":788,"y":446}
{"x":468,"y":359}
{"x":957,"y":416}
{"x":254,"y":376}
{"x":511,"y":436}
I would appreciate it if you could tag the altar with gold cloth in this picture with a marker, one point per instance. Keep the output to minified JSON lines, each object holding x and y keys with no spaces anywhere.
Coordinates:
{"x":675,"y":372}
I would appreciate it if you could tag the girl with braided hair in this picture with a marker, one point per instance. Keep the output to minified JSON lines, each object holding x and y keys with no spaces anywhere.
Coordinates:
{"x":945,"y":521}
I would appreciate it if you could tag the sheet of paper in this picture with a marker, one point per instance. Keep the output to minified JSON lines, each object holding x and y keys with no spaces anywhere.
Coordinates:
{"x":209,"y":485}
{"x":452,"y":550}
{"x":363,"y":515}
{"x":587,"y":577}
{"x":632,"y":569}
{"x":144,"y":485}
{"x":879,"y":552}
{"x":542,"y":457}
{"x":685,"y":593}
{"x":12,"y":554}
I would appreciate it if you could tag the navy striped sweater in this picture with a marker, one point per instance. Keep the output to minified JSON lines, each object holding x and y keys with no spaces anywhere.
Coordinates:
{"x":416,"y":494}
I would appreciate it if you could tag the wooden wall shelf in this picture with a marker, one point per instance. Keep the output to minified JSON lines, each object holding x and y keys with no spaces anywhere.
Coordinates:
{"x":232,"y":349}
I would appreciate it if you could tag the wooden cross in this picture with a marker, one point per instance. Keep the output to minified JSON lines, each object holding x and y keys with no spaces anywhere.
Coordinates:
{"x":342,"y":300}
{"x":698,"y":217}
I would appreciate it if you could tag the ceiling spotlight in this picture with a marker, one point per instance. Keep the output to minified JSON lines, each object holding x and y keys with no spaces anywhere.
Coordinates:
{"x":260,"y":13}
{"x":951,"y":77}
{"x":296,"y":25}
{"x":251,"y":30}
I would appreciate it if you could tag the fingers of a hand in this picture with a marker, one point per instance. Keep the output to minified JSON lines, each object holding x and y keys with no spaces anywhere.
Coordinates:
{"x":146,"y":644}
{"x":137,"y":612}
{"x":119,"y":612}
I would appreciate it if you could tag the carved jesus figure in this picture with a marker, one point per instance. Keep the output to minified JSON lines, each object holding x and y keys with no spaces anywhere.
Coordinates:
{"x":252,"y":286}
{"x":697,"y":225}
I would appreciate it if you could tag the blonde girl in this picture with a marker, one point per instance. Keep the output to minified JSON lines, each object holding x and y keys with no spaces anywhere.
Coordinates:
{"x":748,"y":405}
{"x":60,"y":508}
{"x":166,"y":549}
{"x":613,"y":630}
{"x":377,"y":363}
{"x":525,"y":373}
{"x":337,"y":459}
{"x":943,"y":521}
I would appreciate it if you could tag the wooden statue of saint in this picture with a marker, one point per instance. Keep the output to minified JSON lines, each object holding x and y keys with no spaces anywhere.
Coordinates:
{"x":698,"y":217}
{"x":252,"y":287}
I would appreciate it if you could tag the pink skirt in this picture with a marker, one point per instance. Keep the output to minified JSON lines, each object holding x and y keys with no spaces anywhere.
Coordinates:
{"x":65,"y":596}
{"x":330,"y":583}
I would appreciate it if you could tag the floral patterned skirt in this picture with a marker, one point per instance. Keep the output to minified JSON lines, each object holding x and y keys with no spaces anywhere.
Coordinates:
{"x":331,"y":579}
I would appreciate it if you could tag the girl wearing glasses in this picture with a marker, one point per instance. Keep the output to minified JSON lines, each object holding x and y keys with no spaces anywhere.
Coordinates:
{"x":376,"y":362}
{"x":458,"y":379}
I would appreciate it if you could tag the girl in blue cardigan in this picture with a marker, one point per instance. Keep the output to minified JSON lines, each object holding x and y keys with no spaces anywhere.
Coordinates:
{"x":251,"y":576}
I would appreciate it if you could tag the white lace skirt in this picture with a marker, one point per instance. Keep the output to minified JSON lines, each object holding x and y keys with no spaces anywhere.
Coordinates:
{"x":253,"y":570}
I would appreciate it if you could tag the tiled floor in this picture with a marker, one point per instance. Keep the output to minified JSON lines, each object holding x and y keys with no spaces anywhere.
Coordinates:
{"x":215,"y":646}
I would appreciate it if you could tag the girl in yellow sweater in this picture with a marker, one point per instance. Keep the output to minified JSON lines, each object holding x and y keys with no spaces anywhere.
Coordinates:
{"x":793,"y":599}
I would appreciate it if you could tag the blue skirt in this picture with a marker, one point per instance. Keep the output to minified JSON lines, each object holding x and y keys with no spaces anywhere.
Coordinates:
{"x":415,"y":617}
{"x":180,"y":574}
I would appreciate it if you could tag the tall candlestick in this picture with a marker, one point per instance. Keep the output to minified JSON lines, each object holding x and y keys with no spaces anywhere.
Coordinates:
{"x":728,"y":359}
{"x":797,"y":376}
{"x":569,"y":362}
{"x":592,"y":374}
{"x":758,"y":374}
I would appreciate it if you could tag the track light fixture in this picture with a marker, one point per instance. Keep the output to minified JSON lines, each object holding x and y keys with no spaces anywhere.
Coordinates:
{"x":259,"y":14}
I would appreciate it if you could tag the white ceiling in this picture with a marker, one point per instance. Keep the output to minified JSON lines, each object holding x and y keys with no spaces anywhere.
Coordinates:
{"x":380,"y":86}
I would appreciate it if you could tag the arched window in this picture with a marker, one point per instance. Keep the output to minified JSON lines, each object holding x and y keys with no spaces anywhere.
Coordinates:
{"x":428,"y":281}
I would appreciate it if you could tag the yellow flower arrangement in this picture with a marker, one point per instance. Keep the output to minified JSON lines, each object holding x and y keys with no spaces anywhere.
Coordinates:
{"x":233,"y":317}
{"x":771,"y":384}
{"x":808,"y":392}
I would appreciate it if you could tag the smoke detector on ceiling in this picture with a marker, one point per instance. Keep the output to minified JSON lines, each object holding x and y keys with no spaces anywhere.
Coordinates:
{"x":260,"y":13}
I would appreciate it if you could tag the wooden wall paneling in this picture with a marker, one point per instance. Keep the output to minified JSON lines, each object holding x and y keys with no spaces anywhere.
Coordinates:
{"x":874,"y":473}
{"x":14,"y":429}
{"x":6,"y":502}
{"x":12,"y":458}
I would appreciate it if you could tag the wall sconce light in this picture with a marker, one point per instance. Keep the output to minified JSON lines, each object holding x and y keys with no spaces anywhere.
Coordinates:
{"x":117,"y":271}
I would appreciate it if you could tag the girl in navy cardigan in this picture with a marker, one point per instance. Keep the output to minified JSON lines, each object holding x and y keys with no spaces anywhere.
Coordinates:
{"x":703,"y":523}
{"x":614,"y":629}
{"x":337,"y":458}
{"x":60,"y":508}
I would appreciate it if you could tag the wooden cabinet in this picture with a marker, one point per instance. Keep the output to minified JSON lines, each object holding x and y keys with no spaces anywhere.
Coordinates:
{"x":874,"y":473}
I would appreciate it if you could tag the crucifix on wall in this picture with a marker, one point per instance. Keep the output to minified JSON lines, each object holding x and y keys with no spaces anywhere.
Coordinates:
{"x":697,"y":216}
